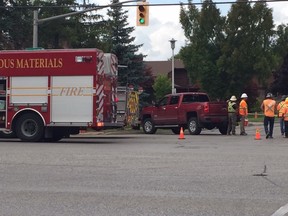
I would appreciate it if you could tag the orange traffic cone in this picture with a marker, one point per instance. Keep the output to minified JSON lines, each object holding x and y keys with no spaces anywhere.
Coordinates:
{"x":257,"y":135}
{"x":181,"y":135}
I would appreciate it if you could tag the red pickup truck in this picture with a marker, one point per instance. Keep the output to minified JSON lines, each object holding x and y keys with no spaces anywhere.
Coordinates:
{"x":189,"y":110}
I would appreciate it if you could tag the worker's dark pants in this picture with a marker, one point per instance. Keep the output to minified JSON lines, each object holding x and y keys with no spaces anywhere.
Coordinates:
{"x":282,"y":126}
{"x":232,"y":119}
{"x":269,"y":121}
{"x":286,"y":129}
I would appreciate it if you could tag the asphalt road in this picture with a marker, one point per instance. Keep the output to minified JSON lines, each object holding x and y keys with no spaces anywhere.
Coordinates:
{"x":123,"y":174}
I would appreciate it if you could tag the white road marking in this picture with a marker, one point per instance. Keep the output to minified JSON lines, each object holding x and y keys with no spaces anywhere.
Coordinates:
{"x":281,"y":211}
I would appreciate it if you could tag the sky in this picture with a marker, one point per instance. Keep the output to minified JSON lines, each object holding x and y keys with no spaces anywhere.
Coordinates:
{"x":164,"y":25}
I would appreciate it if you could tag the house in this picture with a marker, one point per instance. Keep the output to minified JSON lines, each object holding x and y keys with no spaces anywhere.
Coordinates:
{"x":182,"y":82}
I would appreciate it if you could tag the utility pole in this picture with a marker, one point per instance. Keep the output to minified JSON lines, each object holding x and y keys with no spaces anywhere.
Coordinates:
{"x":172,"y":41}
{"x":37,"y":21}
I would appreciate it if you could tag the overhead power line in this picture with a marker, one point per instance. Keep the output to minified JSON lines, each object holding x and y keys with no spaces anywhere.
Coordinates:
{"x":150,"y":5}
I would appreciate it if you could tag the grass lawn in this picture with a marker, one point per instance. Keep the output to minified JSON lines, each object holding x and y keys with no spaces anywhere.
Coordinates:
{"x":251,"y":117}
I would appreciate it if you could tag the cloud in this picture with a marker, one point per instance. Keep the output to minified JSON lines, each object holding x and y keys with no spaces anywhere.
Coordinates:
{"x":164,"y":25}
{"x":280,"y":14}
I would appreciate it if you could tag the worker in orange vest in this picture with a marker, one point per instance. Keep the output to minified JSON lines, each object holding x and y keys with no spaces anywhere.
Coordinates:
{"x":243,"y":112}
{"x":268,"y":106}
{"x":280,"y":109}
{"x":285,"y":117}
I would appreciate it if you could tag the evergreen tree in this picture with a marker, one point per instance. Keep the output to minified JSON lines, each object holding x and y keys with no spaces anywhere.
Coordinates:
{"x":121,"y":44}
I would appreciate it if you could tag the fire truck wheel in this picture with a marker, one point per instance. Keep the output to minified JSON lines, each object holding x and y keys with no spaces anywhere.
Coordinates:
{"x":194,"y":127}
{"x":30,"y":127}
{"x":149,"y":127}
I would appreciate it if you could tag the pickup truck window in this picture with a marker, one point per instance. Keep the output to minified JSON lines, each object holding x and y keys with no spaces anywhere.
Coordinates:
{"x":163,"y":101}
{"x":174,"y":100}
{"x":195,"y":98}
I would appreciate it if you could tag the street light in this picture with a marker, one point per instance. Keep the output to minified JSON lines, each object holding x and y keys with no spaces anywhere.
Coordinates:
{"x":172,"y":41}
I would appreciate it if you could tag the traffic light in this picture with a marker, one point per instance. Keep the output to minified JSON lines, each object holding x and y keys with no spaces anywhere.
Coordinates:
{"x":142,"y":14}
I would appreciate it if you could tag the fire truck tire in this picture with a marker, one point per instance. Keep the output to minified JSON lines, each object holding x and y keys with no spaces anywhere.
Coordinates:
{"x":30,"y":127}
{"x":193,"y":126}
{"x":149,"y":127}
{"x":7,"y":134}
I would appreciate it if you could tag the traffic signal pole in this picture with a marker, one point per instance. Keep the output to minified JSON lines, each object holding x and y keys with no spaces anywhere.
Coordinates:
{"x":37,"y":21}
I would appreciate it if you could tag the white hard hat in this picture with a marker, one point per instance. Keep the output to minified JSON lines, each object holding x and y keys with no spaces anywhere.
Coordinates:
{"x":269,"y":95}
{"x":233,"y":98}
{"x":244,"y":95}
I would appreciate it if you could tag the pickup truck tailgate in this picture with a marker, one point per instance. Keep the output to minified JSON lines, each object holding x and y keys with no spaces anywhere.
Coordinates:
{"x":217,"y":108}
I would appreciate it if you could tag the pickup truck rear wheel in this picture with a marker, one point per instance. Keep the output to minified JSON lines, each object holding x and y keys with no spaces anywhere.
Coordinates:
{"x":194,"y":127}
{"x":149,"y":127}
{"x":223,"y":129}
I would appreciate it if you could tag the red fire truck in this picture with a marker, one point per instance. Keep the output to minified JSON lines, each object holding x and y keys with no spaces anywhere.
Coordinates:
{"x":109,"y":93}
{"x":50,"y":94}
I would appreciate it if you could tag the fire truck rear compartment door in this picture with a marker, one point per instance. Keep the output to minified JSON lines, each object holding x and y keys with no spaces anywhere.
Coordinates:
{"x":72,"y":99}
{"x":29,"y":90}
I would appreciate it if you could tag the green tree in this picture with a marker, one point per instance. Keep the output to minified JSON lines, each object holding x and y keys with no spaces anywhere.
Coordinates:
{"x":246,"y":53}
{"x":280,"y":45}
{"x":162,"y":86}
{"x":77,"y":31}
{"x":279,"y":86}
{"x":15,"y":24}
{"x":205,"y":31}
{"x":83,"y":30}
{"x":226,"y":54}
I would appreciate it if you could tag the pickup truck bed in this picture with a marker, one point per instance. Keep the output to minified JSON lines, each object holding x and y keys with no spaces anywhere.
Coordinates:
{"x":190,"y":110}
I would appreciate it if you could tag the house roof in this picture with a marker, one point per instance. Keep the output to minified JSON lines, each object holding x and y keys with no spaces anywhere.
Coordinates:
{"x":163,"y":67}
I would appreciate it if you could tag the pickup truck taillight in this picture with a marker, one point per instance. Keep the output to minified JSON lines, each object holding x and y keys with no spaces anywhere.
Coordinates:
{"x":206,"y":108}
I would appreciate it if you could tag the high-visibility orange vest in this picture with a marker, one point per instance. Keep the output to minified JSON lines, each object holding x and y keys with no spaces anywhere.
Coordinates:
{"x":269,"y":107}
{"x":285,"y":112}
{"x":280,"y":108}
{"x":243,"y":108}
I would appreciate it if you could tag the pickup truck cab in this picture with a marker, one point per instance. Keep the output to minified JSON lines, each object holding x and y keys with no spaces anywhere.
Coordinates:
{"x":189,"y":110}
